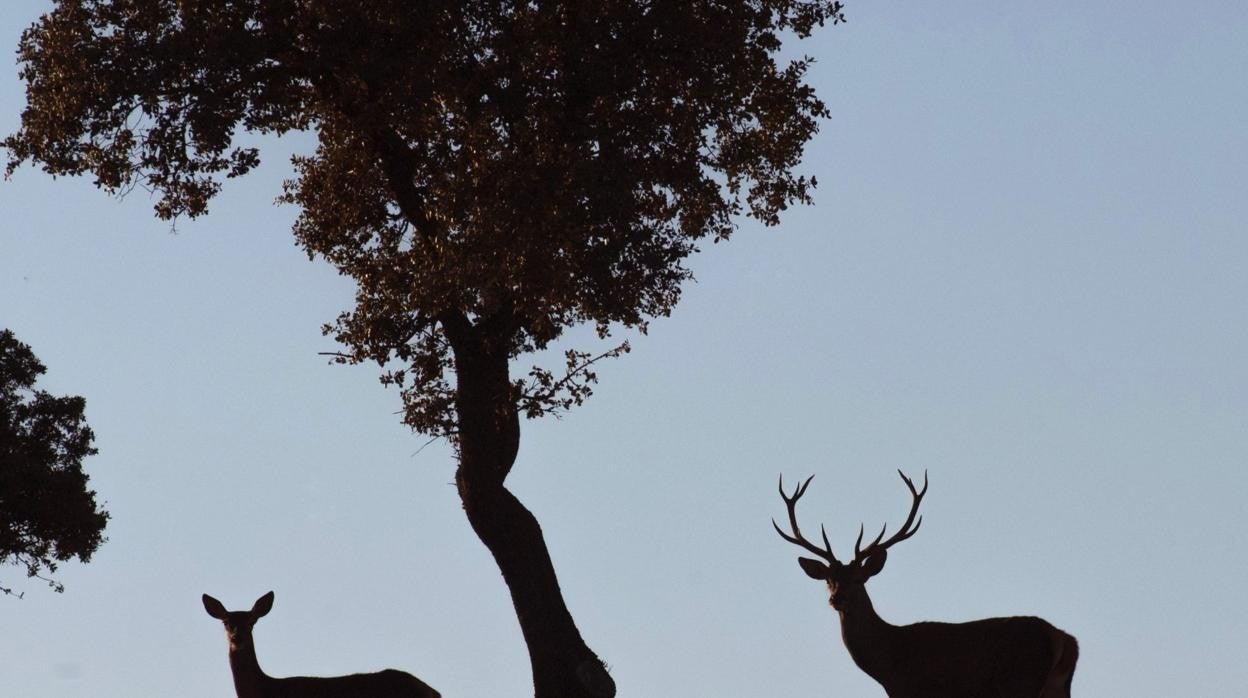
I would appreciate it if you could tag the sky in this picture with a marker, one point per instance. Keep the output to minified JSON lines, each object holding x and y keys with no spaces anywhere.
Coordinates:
{"x":1025,"y":272}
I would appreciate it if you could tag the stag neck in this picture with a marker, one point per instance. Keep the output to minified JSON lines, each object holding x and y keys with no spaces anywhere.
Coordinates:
{"x":867,"y":636}
{"x":249,"y":679}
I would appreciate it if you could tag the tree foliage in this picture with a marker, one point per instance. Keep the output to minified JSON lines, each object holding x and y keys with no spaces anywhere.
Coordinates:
{"x":491,"y":173}
{"x":47,"y":514}
{"x":550,"y":162}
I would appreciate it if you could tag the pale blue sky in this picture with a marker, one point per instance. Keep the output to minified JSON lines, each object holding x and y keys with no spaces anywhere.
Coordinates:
{"x":1026,"y":271}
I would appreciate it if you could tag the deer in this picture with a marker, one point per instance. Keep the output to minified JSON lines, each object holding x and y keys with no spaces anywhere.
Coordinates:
{"x":250,"y":681}
{"x":1013,"y":657}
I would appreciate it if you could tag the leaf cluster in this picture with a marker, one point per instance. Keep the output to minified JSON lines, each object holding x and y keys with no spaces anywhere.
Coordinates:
{"x":522,"y":167}
{"x":47,"y":514}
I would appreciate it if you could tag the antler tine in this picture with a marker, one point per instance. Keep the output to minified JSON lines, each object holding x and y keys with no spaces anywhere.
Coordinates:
{"x":917,"y":497}
{"x":797,"y":491}
{"x":824,"y":532}
{"x":857,"y":543}
{"x":910,"y":483}
{"x":906,"y":529}
{"x":797,"y":538}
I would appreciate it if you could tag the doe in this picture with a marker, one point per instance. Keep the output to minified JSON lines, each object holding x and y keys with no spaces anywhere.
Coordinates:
{"x":251,"y":682}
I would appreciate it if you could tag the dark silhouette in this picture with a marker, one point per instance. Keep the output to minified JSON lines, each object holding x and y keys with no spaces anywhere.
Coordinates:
{"x":1017,"y":657}
{"x":47,"y":514}
{"x":250,"y":681}
{"x":489,"y":173}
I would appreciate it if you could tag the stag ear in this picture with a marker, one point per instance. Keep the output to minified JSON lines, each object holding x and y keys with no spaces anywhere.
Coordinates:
{"x":214,"y":607}
{"x":813,"y":568}
{"x":873,"y":564}
{"x":264,"y":604}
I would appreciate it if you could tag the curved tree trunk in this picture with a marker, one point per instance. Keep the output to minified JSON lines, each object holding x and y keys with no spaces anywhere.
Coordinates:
{"x":489,"y":438}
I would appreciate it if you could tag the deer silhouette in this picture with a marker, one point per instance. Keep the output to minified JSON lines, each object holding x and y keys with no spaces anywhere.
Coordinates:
{"x":1016,"y":657}
{"x":250,"y":681}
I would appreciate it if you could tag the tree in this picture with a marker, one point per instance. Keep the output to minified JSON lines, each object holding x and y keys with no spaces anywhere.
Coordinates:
{"x":489,"y":172}
{"x":47,"y":514}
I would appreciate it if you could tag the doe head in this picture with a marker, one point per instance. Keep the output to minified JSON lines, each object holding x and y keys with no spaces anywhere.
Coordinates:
{"x":238,"y":624}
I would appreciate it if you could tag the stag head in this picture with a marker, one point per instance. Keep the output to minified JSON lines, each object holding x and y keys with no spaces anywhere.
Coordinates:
{"x":845,"y":580}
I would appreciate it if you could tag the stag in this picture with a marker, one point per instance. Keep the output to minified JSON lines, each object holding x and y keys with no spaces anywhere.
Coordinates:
{"x":1015,"y":657}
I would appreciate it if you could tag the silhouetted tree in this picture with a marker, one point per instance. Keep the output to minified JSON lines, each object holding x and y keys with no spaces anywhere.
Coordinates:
{"x":47,"y":514}
{"x":489,"y":172}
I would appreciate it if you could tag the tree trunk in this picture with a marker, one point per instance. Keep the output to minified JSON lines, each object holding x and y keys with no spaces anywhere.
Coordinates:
{"x":489,"y":438}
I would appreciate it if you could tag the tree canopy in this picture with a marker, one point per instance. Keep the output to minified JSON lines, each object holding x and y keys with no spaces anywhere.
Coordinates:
{"x":47,"y":514}
{"x":489,"y":172}
{"x":544,"y":163}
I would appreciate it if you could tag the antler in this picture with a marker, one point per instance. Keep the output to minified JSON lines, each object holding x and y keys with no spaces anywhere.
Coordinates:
{"x":905,"y":532}
{"x":797,"y":538}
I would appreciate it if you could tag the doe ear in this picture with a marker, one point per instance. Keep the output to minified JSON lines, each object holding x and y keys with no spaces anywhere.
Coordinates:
{"x":813,"y":568}
{"x":214,"y":607}
{"x":263,"y":605}
{"x":873,"y":564}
